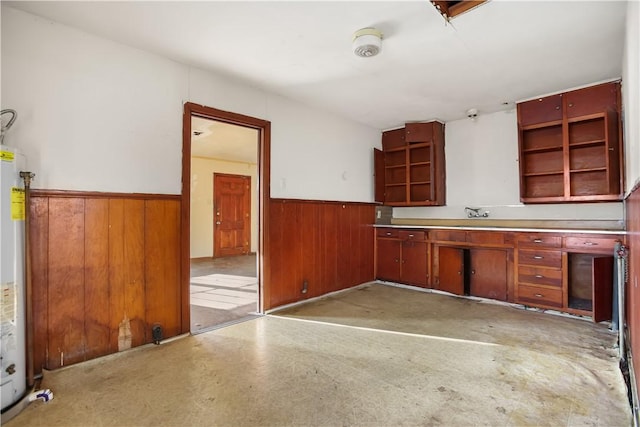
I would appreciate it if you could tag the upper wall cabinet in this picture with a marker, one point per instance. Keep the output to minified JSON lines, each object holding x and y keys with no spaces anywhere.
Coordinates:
{"x":570,"y":146}
{"x":410,"y":169}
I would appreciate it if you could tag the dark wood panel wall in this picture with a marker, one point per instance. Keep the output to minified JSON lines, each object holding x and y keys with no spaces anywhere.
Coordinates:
{"x":632,"y":214}
{"x":328,"y":245}
{"x":105,"y":270}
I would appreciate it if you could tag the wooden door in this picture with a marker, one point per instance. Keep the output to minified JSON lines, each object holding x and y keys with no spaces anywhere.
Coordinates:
{"x":413,"y":268}
{"x":602,"y":277}
{"x":388,"y":256}
{"x":488,"y":275}
{"x":231,"y":215}
{"x":451,"y":270}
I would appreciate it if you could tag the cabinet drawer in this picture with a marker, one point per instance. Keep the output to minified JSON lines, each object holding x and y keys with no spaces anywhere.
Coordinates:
{"x":387,"y":232}
{"x":486,"y":237}
{"x":599,"y":243}
{"x":538,"y":295}
{"x":450,"y":235}
{"x":540,"y":276}
{"x":412,"y":235}
{"x":540,"y":258}
{"x":539,"y":240}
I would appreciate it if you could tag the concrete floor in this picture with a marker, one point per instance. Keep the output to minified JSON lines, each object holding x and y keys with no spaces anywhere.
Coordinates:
{"x":376,"y":355}
{"x":205,"y":318}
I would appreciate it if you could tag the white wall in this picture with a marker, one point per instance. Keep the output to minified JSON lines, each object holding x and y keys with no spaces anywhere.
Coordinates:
{"x":482,"y":171}
{"x":202,"y":171}
{"x":631,"y":95}
{"x":95,"y":115}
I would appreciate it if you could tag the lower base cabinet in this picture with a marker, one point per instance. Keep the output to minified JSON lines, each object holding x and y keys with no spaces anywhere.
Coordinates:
{"x":488,"y":274}
{"x":590,"y":285}
{"x":570,"y":272}
{"x":472,"y":271}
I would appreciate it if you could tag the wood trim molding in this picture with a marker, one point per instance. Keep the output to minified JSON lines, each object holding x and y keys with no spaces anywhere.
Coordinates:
{"x":101,"y":195}
{"x":326,"y":202}
{"x":264,"y":178}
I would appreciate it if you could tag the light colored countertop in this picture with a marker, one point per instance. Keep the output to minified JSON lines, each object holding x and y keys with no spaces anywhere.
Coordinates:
{"x":537,"y":226}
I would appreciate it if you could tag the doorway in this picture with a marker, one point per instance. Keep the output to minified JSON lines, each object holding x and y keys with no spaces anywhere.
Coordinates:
{"x":225,"y":186}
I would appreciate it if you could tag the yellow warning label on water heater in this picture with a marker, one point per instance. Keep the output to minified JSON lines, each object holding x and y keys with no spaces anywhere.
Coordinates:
{"x":17,"y":204}
{"x":6,"y":156}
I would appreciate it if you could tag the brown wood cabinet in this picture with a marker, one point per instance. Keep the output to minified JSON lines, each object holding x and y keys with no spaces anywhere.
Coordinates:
{"x":570,"y":272}
{"x":472,"y":271}
{"x":570,"y":146}
{"x":410,"y":169}
{"x":402,"y":256}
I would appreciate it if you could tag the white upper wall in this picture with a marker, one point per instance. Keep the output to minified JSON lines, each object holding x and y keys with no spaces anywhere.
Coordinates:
{"x":94,"y":115}
{"x":482,"y":171}
{"x":631,"y":95}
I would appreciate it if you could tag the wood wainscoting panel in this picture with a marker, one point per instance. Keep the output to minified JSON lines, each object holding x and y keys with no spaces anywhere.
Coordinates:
{"x":162,"y":265}
{"x":96,"y":277}
{"x":66,"y":337}
{"x":105,"y":269}
{"x":39,"y":230}
{"x":327,"y":245}
{"x":632,"y":299}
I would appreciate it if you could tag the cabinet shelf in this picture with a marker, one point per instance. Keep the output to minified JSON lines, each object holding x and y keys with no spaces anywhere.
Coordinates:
{"x":420,"y":164}
{"x":402,"y":184}
{"x":420,"y":182}
{"x":602,"y":169}
{"x":395,"y":167}
{"x":544,"y":173}
{"x":543,"y":125}
{"x":593,"y":142}
{"x":542,"y":149}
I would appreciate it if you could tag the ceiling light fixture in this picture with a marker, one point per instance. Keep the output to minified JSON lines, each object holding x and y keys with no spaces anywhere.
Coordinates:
{"x":367,"y":42}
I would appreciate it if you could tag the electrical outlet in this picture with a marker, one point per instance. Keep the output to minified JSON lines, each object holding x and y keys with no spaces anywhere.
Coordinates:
{"x":379,"y":214}
{"x":305,"y":286}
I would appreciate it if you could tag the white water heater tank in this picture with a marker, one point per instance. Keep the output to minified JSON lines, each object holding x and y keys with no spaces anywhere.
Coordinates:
{"x":12,"y":260}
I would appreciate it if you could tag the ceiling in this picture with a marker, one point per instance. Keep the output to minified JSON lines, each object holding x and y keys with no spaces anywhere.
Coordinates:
{"x":487,"y":58}
{"x":223,"y":141}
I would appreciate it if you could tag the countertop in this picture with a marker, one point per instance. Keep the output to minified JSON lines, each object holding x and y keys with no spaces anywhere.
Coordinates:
{"x":537,"y":226}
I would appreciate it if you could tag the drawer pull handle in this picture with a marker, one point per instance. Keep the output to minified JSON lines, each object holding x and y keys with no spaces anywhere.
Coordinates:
{"x":388,"y":234}
{"x":410,"y":235}
{"x":539,"y":276}
{"x":590,"y":244}
{"x":537,"y":240}
{"x":539,"y":295}
{"x":537,"y":257}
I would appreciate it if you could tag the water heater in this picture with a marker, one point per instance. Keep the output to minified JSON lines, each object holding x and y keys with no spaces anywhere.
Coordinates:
{"x":12,"y":261}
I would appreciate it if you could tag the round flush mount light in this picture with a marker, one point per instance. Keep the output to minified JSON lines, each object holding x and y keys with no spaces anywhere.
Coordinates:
{"x":367,"y":42}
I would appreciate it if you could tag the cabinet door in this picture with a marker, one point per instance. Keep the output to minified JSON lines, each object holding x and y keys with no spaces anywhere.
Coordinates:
{"x":413,"y":268}
{"x":602,"y":276}
{"x":541,"y":110}
{"x":378,"y":167}
{"x":451,"y":270}
{"x":488,"y":275}
{"x":591,"y":100}
{"x":388,"y":259}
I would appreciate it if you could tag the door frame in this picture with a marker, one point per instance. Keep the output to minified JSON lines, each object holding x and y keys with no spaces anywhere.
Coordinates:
{"x":264,"y":195}
{"x":247,"y":228}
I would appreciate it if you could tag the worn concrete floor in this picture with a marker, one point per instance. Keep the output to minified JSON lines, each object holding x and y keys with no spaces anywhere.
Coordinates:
{"x":206,"y":318}
{"x":373,"y":356}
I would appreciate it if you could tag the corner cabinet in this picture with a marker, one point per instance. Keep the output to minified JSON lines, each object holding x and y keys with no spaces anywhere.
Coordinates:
{"x":570,"y":146}
{"x":410,"y":169}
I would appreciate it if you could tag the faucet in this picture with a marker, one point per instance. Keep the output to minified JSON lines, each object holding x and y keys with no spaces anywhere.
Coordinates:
{"x":476,"y":213}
